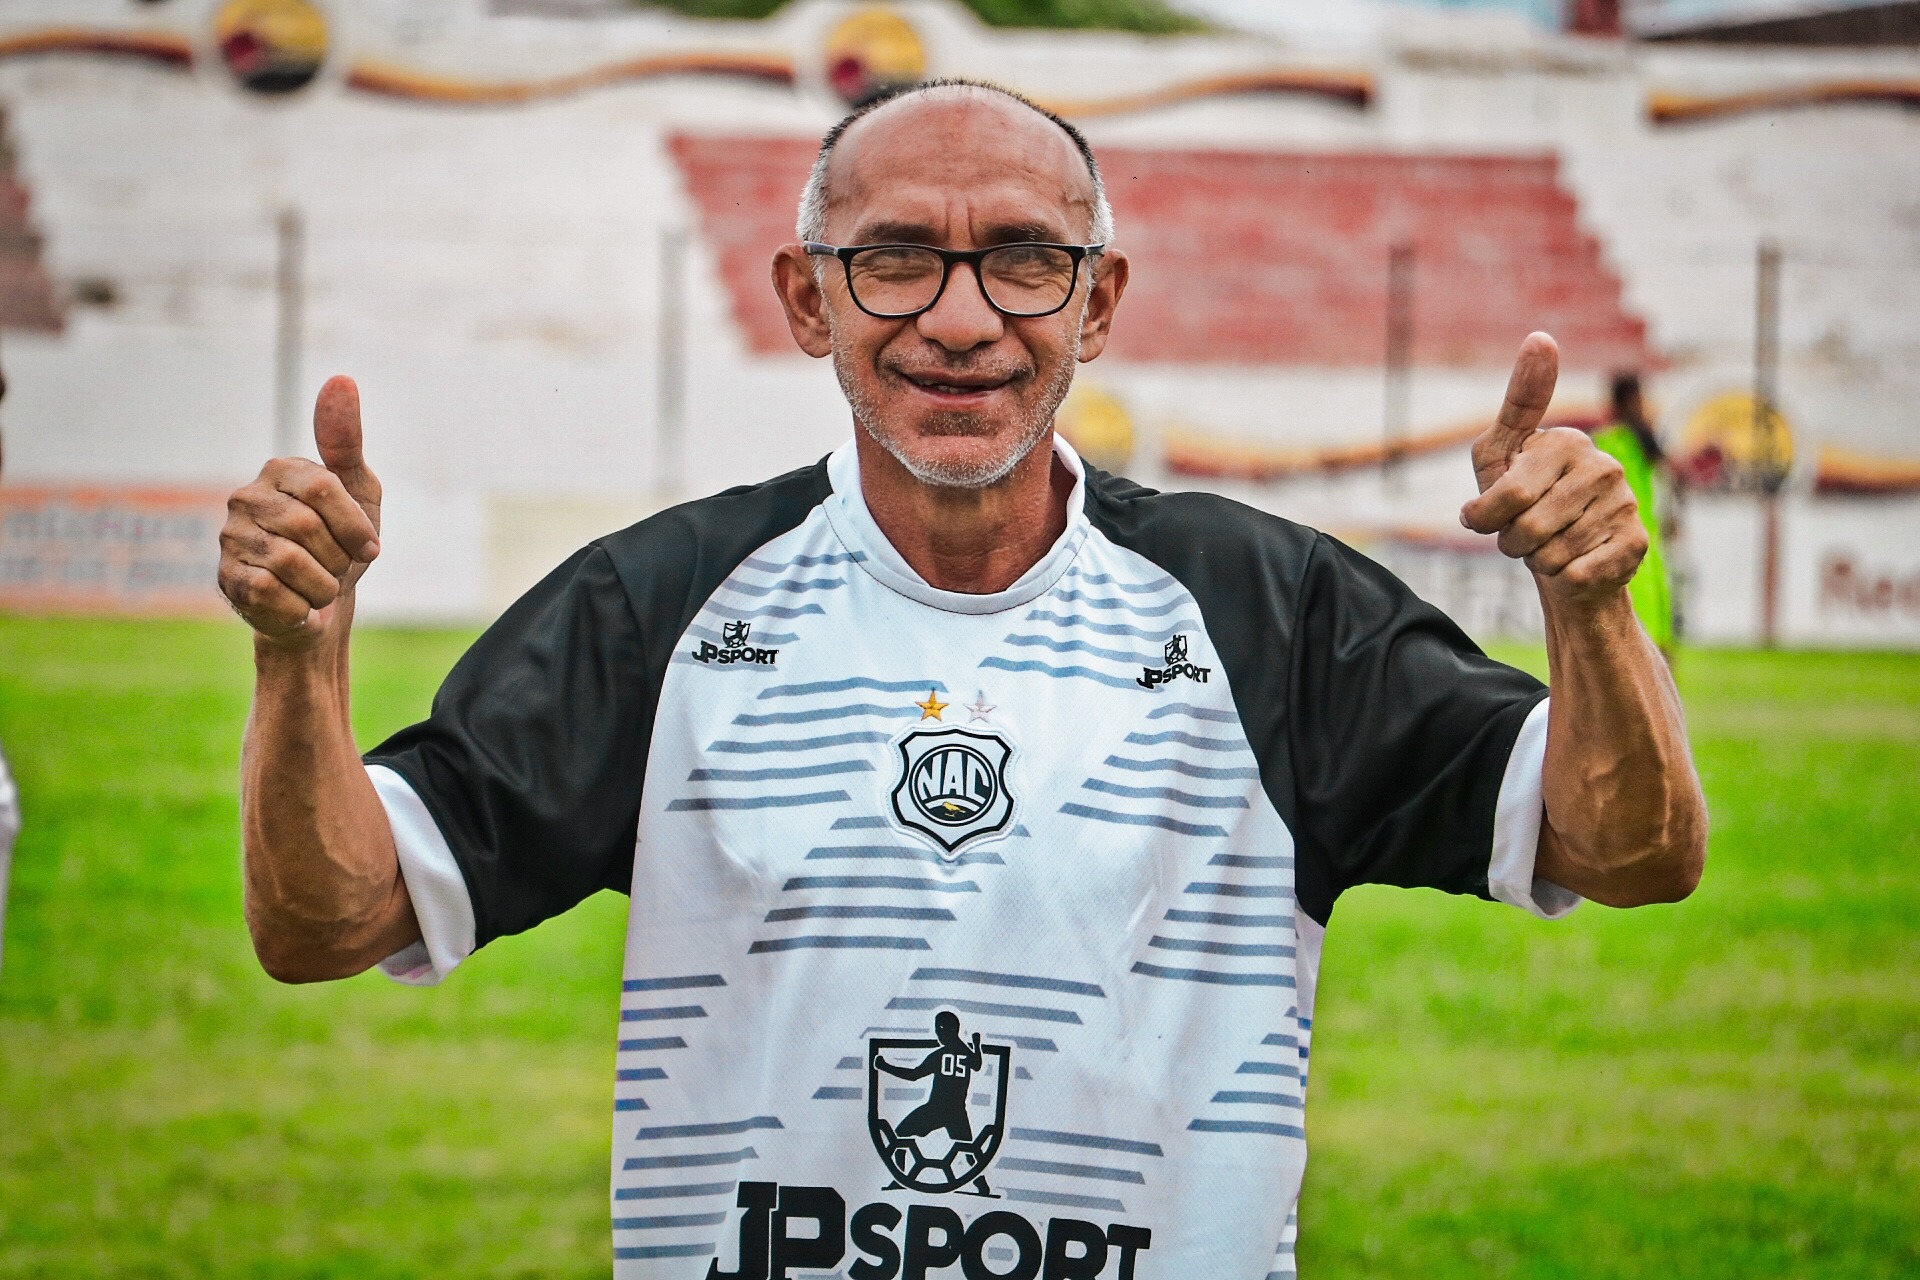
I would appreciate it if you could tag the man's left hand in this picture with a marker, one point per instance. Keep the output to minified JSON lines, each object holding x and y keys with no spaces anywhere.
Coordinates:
{"x":1552,"y":496}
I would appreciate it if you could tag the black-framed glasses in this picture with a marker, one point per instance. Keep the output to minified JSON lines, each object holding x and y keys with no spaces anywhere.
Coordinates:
{"x":899,"y":281}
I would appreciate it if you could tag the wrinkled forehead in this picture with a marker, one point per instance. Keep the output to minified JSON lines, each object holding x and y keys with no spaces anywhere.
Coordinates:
{"x":957,"y":166}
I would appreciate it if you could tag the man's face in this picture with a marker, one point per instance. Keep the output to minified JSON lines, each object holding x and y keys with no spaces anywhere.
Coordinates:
{"x":960,"y":393}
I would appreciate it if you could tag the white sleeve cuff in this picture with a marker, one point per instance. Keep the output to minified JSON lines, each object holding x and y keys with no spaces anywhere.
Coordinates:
{"x":434,"y":882}
{"x":1516,"y":827}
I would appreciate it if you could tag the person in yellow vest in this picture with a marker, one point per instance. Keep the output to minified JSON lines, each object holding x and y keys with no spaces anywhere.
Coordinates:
{"x":1628,"y":438}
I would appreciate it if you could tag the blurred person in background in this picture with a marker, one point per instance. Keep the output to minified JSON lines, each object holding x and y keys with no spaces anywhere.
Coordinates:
{"x":1629,"y":439}
{"x":9,"y":794}
{"x":1206,"y":724}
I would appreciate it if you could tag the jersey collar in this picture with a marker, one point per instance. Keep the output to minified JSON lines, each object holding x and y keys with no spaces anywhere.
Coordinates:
{"x":847,"y":511}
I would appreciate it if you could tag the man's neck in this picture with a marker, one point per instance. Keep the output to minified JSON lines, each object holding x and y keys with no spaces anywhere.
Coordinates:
{"x":976,"y":541}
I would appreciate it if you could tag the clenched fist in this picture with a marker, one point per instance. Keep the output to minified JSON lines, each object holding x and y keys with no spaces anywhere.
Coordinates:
{"x":298,"y":538}
{"x":1552,"y":496}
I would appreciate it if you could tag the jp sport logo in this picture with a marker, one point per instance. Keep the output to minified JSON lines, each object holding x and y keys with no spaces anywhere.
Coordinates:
{"x":789,"y":1231}
{"x":733,"y":647}
{"x":953,"y":785}
{"x":949,"y":1140}
{"x":1176,"y":666}
{"x":944,"y":1144}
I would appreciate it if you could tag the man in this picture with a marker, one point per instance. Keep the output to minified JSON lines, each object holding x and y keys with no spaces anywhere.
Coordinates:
{"x":1628,"y":439}
{"x":1118,"y":859}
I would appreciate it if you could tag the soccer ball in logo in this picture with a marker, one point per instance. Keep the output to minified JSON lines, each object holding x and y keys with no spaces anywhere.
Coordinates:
{"x":735,"y":633}
{"x":953,"y":785}
{"x":1176,"y":651}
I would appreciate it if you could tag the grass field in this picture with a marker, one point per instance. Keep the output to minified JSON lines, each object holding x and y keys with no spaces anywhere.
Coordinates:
{"x":1725,"y":1088}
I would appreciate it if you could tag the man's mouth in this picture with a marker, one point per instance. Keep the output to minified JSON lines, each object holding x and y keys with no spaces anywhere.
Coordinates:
{"x":943,"y":383}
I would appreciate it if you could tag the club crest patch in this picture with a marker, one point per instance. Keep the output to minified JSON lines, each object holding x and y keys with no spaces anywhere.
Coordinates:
{"x":953,"y":785}
{"x":941,"y":1135}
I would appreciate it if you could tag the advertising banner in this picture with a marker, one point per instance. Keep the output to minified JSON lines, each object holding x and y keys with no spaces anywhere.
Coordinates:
{"x":110,"y":550}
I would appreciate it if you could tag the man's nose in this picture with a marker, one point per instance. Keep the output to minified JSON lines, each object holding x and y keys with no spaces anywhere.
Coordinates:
{"x":962,"y":319}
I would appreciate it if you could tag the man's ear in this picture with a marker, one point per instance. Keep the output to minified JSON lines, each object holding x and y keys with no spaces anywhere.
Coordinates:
{"x":1107,"y":281}
{"x":802,"y":299}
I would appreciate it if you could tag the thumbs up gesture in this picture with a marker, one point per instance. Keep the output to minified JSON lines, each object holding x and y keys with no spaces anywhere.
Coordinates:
{"x":1552,"y":496}
{"x":299,"y":536}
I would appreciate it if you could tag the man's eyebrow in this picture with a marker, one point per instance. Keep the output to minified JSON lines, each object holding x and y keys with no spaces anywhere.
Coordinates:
{"x":891,"y":232}
{"x":896,"y":233}
{"x":1016,"y":232}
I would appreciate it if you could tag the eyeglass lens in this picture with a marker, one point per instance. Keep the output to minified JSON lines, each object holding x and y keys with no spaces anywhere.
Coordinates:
{"x":1020,"y":279}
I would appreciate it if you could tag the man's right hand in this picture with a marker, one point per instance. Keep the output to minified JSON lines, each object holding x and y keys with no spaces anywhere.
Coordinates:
{"x":298,"y":538}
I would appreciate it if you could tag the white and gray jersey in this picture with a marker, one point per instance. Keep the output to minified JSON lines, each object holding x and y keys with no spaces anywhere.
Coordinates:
{"x":971,"y":935}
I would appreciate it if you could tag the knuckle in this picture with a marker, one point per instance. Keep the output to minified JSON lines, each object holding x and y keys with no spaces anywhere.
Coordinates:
{"x":252,"y":497}
{"x":1535,"y":525}
{"x":303,"y":524}
{"x":284,"y":559}
{"x":244,"y":585}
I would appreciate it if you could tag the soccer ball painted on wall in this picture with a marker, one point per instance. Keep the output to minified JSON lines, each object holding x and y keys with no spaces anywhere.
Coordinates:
{"x":872,"y":52}
{"x":271,"y":46}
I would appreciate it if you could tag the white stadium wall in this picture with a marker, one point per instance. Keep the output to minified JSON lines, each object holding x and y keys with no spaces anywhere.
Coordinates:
{"x":490,"y":273}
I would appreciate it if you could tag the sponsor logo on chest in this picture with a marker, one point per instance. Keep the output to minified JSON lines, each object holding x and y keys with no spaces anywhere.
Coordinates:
{"x":733,"y":647}
{"x":1177,"y":666}
{"x":935,"y":1139}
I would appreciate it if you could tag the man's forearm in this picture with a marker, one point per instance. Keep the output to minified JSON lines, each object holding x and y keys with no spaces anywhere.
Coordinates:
{"x":324,"y":896}
{"x":1625,"y":821}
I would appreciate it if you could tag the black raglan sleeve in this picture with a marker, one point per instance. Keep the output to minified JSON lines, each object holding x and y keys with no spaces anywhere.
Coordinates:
{"x":533,"y":760}
{"x":1382,"y":731}
{"x":1399,"y":732}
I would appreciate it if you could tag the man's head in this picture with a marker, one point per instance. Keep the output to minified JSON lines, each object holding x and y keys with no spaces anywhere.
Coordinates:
{"x":1624,"y":391}
{"x":962,"y":392}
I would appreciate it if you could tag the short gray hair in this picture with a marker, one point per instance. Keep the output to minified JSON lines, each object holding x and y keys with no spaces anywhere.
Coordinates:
{"x":811,"y":224}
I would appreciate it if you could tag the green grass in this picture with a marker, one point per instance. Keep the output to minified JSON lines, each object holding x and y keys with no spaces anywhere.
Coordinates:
{"x":1725,"y":1088}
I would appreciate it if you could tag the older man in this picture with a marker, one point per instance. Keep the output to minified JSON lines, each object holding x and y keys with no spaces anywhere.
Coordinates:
{"x":949,"y":749}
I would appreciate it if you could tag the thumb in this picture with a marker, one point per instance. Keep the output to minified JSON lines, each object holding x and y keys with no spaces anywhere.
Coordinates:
{"x":1529,"y":391}
{"x":336,"y":431}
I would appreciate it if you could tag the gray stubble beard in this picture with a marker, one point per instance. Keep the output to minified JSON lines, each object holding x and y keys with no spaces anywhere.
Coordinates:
{"x":980,"y":475}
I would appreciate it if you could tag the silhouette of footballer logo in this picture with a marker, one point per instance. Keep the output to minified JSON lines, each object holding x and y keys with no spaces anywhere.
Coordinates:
{"x":1176,"y":650}
{"x":946,"y":1141}
{"x":953,"y":785}
{"x":735,"y":633}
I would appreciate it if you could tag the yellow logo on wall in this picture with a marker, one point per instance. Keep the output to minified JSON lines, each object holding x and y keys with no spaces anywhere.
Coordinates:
{"x":1097,"y":426}
{"x":1731,"y":442}
{"x":872,"y":52}
{"x":271,"y":46}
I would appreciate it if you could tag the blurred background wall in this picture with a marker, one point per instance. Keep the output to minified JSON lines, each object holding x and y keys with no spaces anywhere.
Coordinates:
{"x":537,"y":232}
